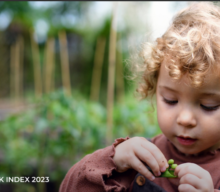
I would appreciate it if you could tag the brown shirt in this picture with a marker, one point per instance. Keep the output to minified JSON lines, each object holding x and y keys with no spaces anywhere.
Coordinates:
{"x":96,"y":171}
{"x":209,"y":161}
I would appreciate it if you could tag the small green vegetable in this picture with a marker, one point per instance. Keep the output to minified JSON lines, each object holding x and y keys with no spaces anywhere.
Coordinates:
{"x":168,"y":173}
{"x":171,"y":161}
{"x":170,"y":170}
{"x":173,"y":166}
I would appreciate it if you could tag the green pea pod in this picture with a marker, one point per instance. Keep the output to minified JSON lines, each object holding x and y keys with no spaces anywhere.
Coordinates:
{"x":169,"y":171}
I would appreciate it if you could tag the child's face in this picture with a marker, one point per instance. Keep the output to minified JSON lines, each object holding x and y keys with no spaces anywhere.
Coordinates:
{"x":186,"y":112}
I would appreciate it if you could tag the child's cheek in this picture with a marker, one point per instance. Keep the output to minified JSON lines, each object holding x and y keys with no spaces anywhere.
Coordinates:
{"x":161,"y":115}
{"x":165,"y":117}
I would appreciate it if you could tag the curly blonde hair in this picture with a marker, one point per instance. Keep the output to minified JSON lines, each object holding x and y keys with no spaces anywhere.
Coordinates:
{"x":193,"y":39}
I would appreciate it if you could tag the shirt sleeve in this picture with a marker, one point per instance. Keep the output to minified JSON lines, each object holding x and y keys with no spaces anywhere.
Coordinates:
{"x":96,"y":172}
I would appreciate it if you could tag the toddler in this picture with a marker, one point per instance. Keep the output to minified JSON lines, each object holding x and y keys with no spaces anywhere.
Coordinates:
{"x":182,"y":69}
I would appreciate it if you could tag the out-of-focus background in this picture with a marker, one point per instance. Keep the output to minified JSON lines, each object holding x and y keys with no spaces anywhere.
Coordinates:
{"x":63,"y":91}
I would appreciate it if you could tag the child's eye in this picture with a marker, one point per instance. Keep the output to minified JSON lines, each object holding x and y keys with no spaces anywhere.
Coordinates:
{"x":209,"y":108}
{"x":171,"y":102}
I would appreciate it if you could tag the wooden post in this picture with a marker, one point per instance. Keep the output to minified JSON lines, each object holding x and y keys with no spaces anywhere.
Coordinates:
{"x":119,"y":74}
{"x":12,"y":69}
{"x":37,"y":68}
{"x":49,"y":65}
{"x":52,"y":63}
{"x":64,"y":62}
{"x":4,"y":83}
{"x":97,"y":69}
{"x":21,"y":53}
{"x":111,"y":76}
{"x":45,"y":78}
{"x":17,"y":71}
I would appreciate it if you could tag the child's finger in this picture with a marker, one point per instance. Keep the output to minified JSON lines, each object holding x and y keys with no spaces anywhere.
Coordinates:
{"x":186,"y":188}
{"x":158,"y":155}
{"x":141,"y":168}
{"x":145,"y":156}
{"x":186,"y":168}
{"x":195,"y":176}
{"x":191,"y":180}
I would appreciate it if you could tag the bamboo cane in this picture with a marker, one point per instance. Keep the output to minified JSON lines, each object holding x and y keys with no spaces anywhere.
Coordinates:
{"x":12,"y":60}
{"x":111,"y":76}
{"x":97,"y":69}
{"x":3,"y":68}
{"x":64,"y":62}
{"x":21,"y":45}
{"x":17,"y":71}
{"x":37,"y":68}
{"x":45,"y":67}
{"x":49,"y":65}
{"x":52,"y":64}
{"x":119,"y":74}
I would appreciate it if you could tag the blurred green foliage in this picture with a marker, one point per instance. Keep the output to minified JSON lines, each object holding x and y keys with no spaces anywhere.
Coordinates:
{"x":27,"y":13}
{"x":81,"y":37}
{"x":58,"y":131}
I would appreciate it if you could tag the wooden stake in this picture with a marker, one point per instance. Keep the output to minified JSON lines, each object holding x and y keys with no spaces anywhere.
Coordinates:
{"x":37,"y":68}
{"x":17,"y":71}
{"x":49,"y":65}
{"x":111,"y":76}
{"x":119,"y":74}
{"x":97,"y":69}
{"x":21,"y":45}
{"x":3,"y":67}
{"x":64,"y":62}
{"x":45,"y":77}
{"x":12,"y":69}
{"x":52,"y":64}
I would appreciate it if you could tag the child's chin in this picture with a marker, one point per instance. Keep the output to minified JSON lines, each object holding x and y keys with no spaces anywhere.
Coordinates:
{"x":187,"y":151}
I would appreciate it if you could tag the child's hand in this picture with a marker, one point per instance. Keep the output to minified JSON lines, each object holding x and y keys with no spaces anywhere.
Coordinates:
{"x":193,"y":178}
{"x":137,"y":151}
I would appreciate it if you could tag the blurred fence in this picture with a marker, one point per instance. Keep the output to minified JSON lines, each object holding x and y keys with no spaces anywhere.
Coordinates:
{"x":43,"y":74}
{"x":29,"y":68}
{"x":17,"y":62}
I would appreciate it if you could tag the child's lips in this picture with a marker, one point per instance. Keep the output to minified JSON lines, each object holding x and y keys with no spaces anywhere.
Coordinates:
{"x":186,"y":140}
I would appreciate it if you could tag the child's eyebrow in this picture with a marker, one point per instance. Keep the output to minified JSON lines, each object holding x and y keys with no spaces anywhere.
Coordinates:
{"x":209,"y":94}
{"x":165,"y":87}
{"x":203,"y":93}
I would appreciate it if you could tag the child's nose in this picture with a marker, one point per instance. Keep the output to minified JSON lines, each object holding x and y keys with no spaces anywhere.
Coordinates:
{"x":186,"y":118}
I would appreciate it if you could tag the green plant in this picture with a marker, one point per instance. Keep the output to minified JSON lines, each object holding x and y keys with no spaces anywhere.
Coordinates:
{"x":48,"y":138}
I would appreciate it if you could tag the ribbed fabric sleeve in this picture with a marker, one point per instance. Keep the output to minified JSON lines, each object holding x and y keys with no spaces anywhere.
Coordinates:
{"x":96,"y":173}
